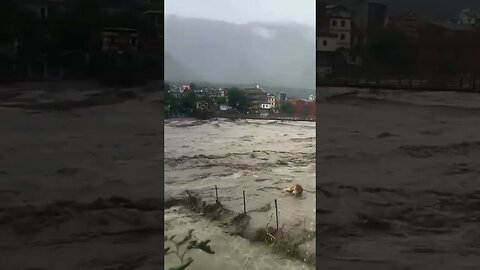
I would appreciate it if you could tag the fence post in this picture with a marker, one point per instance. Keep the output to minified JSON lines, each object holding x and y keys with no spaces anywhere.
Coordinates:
{"x":276,"y":212}
{"x":216,"y":194}
{"x":244,"y":205}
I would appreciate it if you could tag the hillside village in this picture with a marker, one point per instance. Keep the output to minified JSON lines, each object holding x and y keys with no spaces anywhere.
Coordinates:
{"x":364,"y":40}
{"x":250,"y":102}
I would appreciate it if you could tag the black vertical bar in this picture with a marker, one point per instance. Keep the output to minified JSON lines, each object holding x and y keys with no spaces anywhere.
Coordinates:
{"x":216,"y":194}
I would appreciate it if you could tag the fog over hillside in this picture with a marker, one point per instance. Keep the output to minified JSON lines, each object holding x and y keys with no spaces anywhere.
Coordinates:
{"x":275,"y":54}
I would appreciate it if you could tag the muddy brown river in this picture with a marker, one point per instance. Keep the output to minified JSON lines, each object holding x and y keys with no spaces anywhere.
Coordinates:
{"x":260,"y":157}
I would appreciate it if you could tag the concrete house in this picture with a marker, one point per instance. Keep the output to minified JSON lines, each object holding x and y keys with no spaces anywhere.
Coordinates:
{"x":272,"y":100}
{"x":340,"y":24}
{"x":256,"y":96}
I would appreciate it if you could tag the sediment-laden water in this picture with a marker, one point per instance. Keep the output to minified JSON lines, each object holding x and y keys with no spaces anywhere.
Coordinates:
{"x":256,"y":156}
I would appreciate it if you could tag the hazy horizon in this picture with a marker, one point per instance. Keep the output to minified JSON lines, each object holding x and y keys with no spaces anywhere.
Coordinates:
{"x":268,"y":43}
{"x":246,"y":11}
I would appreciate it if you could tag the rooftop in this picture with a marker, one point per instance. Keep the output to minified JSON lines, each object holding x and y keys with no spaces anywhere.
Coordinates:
{"x":470,"y":13}
{"x":452,"y":26}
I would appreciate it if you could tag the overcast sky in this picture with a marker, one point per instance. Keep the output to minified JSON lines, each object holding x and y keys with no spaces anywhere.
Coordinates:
{"x":245,"y":11}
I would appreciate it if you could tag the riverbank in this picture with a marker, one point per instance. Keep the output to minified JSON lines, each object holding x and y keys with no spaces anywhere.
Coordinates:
{"x":253,"y":117}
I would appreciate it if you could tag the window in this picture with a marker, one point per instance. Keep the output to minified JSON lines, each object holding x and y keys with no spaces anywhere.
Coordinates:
{"x":334,"y":22}
{"x":342,"y":36}
{"x":342,"y":23}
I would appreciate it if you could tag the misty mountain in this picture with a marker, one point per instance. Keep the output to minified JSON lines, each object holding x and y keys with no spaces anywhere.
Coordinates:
{"x":427,"y":9}
{"x":257,"y":53}
{"x":176,"y":71}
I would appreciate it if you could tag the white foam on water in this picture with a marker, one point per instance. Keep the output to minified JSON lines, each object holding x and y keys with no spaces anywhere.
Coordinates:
{"x":260,"y":157}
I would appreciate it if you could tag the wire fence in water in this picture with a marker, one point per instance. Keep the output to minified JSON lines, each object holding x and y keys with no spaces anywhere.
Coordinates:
{"x":279,"y":212}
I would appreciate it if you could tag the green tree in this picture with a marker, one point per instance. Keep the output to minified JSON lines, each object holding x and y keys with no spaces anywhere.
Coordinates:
{"x":172,"y":105}
{"x":188,"y":103}
{"x":237,"y":99}
{"x":286,"y":108}
{"x":193,"y":86}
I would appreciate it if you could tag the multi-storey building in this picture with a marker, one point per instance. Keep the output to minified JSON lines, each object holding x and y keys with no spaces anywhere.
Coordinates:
{"x":406,"y":23}
{"x":272,"y":101}
{"x":256,"y":97}
{"x":340,"y":24}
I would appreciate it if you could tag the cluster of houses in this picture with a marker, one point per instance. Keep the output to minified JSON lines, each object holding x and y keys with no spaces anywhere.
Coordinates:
{"x":343,"y":32}
{"x":260,"y":101}
{"x":116,"y":38}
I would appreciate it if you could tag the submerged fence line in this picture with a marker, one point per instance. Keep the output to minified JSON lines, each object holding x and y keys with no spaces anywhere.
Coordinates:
{"x":291,"y":215}
{"x":217,"y":201}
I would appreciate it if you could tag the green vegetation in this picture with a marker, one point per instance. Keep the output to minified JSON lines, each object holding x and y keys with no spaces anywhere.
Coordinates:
{"x":190,"y":245}
{"x":188,"y":102}
{"x":237,"y":100}
{"x":186,"y":105}
{"x":286,"y":108}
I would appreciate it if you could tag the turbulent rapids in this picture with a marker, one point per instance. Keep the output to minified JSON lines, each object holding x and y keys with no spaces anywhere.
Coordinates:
{"x":259,"y":158}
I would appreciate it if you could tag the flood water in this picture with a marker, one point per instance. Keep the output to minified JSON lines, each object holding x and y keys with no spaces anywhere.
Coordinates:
{"x":260,"y":157}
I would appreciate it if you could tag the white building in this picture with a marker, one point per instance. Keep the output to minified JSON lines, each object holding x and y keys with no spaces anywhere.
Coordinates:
{"x":468,"y":17}
{"x":223,"y":92}
{"x":266,"y":106}
{"x":340,"y":24}
{"x":272,"y":100}
{"x":225,"y":107}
